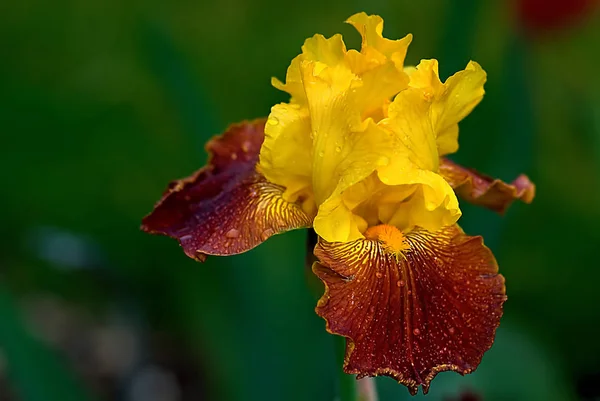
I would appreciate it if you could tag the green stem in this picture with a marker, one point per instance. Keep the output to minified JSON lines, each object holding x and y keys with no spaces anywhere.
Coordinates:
{"x":347,"y":388}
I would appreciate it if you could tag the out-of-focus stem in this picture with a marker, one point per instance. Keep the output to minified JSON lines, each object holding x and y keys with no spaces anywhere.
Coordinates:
{"x":350,"y":389}
{"x":367,"y":391}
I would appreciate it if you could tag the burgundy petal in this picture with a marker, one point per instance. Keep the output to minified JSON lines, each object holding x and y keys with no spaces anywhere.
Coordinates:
{"x":226,"y":207}
{"x":431,"y":307}
{"x":483,"y":190}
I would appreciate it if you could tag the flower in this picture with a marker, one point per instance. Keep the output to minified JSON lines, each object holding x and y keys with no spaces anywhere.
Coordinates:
{"x":543,"y":16}
{"x":358,"y":155}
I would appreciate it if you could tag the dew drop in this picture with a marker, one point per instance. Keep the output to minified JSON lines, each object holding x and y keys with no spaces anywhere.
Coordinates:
{"x":416,"y":332}
{"x":273,"y":121}
{"x":233,"y":233}
{"x":321,"y":154}
{"x":338,"y":149}
{"x":400,"y":283}
{"x":378,"y":275}
{"x":246,"y":146}
{"x":451,"y":330}
{"x":383,"y":161}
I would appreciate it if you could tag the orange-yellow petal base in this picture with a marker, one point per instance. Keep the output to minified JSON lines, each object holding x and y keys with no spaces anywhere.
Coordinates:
{"x":429,"y":302}
{"x":483,"y":190}
{"x":226,"y":207}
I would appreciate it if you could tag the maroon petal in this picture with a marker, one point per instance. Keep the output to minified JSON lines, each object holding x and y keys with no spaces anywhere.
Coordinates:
{"x":226,"y":207}
{"x":413,"y":307}
{"x":483,"y":190}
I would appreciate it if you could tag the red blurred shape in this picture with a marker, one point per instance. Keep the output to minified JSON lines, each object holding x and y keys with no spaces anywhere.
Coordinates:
{"x":547,"y":15}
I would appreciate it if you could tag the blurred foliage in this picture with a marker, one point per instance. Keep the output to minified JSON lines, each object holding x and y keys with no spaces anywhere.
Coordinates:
{"x":103,"y":103}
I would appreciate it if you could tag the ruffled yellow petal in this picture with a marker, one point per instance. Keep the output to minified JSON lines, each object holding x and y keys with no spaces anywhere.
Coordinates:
{"x":432,"y":204}
{"x":429,"y":202}
{"x":317,"y":48}
{"x":451,"y":101}
{"x":415,"y":142}
{"x":370,"y":28}
{"x":283,"y":158}
{"x":293,"y":82}
{"x":329,"y":51}
{"x":360,"y":141}
{"x":346,"y":149}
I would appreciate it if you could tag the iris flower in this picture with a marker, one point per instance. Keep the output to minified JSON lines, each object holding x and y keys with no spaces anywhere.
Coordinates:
{"x":358,"y":155}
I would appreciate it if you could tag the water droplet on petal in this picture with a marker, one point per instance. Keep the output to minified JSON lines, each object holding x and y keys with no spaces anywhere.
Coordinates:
{"x":400,"y":283}
{"x":273,"y":120}
{"x":378,"y":275}
{"x":383,"y":161}
{"x":321,"y":154}
{"x":416,"y":332}
{"x":338,"y":149}
{"x":233,"y":233}
{"x":451,"y":330}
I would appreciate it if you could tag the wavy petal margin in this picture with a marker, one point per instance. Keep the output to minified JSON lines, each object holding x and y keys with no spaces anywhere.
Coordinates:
{"x":226,"y":207}
{"x":410,"y":315}
{"x":483,"y":190}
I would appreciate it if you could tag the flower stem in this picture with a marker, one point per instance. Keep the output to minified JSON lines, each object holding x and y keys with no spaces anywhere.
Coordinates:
{"x":350,"y":389}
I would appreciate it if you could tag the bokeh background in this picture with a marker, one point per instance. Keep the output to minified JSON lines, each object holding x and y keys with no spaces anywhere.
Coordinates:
{"x":103,"y":102}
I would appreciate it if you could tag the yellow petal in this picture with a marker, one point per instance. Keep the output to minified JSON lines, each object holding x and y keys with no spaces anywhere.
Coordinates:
{"x":282,"y":156}
{"x":346,"y":149}
{"x":451,"y":101}
{"x":417,"y":195}
{"x":317,"y":48}
{"x":293,"y":81}
{"x":334,"y":220}
{"x":416,"y":147}
{"x":370,"y":28}
{"x":463,"y":91}
{"x":426,"y":76}
{"x":329,"y":51}
{"x":432,"y":205}
{"x":379,"y":85}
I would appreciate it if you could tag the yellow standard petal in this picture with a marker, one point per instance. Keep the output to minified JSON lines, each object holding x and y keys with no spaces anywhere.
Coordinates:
{"x":431,"y":203}
{"x":283,"y":158}
{"x":360,"y":141}
{"x":346,"y":148}
{"x":451,"y":101}
{"x":370,"y":28}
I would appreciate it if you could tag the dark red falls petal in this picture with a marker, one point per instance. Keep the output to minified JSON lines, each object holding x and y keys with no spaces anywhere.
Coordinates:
{"x":433,"y":309}
{"x":226,"y":207}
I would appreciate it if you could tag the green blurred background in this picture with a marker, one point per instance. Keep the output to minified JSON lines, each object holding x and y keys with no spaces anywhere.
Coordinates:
{"x":103,"y":102}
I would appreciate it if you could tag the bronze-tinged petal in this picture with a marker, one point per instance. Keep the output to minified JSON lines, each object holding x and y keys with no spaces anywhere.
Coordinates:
{"x":483,"y":190}
{"x":411,"y":307}
{"x":226,"y":207}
